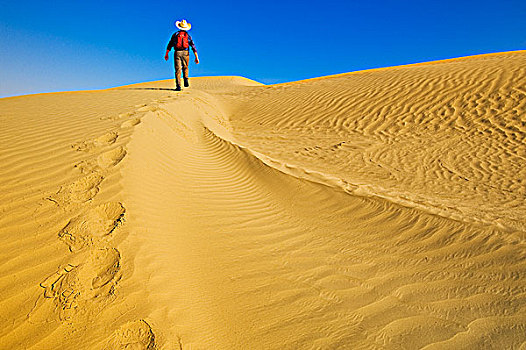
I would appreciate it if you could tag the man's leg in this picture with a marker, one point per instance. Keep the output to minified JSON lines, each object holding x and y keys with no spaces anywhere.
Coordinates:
{"x":184,"y":61}
{"x":178,"y":68}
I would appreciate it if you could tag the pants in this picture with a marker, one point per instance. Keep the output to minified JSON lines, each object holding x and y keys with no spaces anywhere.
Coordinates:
{"x":181,"y":59}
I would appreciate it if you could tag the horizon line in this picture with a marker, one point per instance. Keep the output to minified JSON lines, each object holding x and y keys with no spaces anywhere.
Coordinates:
{"x":407,"y":65}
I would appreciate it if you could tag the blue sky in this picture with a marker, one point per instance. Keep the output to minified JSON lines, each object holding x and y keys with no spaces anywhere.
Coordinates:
{"x":75,"y":45}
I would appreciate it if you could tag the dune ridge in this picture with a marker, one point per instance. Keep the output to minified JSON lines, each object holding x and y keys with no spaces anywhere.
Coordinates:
{"x":137,"y":217}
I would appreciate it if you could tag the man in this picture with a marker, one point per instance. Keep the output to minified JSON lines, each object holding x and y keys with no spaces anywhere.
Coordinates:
{"x":180,"y":42}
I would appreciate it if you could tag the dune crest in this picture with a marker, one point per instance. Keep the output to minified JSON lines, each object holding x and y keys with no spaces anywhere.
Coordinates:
{"x":381,"y":209}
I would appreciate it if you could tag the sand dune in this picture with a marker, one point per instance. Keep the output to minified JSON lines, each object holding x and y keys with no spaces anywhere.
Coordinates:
{"x":381,"y":209}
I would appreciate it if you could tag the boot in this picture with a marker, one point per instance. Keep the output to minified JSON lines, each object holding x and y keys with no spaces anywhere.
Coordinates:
{"x":186,"y":84}
{"x":178,"y":88}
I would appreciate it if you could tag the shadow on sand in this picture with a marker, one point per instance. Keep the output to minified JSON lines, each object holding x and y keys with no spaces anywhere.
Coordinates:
{"x":167,"y":89}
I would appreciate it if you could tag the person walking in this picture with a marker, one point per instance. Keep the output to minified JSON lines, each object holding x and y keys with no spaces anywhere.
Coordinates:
{"x":180,"y":42}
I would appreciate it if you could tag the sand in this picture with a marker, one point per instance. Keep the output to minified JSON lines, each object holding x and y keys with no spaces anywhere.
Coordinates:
{"x":380,"y":209}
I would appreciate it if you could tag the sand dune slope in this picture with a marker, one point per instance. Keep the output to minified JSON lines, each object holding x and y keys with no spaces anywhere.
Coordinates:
{"x":447,"y":137}
{"x":372,"y":210}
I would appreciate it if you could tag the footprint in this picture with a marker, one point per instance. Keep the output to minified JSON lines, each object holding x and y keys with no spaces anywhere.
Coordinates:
{"x":115,"y":117}
{"x":77,"y":284}
{"x":127,"y":114}
{"x":86,"y":166}
{"x":144,"y":108}
{"x":106,"y":139}
{"x":85,"y":230}
{"x":130,"y":123}
{"x":137,"y":335}
{"x":51,"y":284}
{"x":103,"y":140}
{"x":80,"y":191}
{"x":82,"y":146}
{"x":111,"y":158}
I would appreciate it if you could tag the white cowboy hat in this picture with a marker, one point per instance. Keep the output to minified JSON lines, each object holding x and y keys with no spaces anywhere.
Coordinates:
{"x":183,"y":24}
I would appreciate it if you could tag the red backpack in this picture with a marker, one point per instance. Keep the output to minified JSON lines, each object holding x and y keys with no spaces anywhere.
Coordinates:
{"x":182,"y":41}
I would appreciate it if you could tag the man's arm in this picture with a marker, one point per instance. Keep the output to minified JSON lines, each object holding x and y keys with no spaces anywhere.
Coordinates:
{"x":170,"y":45}
{"x":192,"y":45}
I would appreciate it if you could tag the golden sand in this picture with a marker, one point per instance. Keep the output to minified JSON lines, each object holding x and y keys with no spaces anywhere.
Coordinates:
{"x":381,"y":209}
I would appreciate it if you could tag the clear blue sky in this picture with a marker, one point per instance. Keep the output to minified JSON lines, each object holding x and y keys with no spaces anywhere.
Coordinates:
{"x":73,"y":45}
